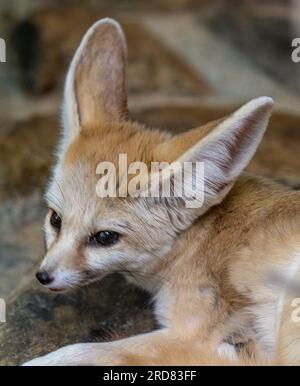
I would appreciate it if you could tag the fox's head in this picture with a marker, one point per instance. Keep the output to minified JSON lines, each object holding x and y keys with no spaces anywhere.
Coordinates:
{"x":87,"y":236}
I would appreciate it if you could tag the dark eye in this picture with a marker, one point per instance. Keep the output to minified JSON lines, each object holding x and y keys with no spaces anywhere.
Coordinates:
{"x":55,"y":220}
{"x":105,"y":238}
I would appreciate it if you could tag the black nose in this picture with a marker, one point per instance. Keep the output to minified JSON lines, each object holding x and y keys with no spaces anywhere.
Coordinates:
{"x":44,"y":278}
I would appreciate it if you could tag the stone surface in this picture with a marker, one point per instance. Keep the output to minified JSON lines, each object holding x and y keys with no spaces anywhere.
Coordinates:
{"x":26,"y":154}
{"x":21,"y":241}
{"x":56,"y":33}
{"x":38,"y":322}
{"x":263,"y":39}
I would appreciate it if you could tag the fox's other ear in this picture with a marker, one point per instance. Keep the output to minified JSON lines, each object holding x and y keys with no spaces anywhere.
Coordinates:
{"x":95,"y":84}
{"x":225,"y":151}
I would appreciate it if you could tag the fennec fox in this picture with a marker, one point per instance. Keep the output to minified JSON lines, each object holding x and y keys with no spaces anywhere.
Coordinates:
{"x":211,"y":268}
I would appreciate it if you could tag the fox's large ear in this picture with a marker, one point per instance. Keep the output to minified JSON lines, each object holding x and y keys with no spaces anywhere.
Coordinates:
{"x":95,"y":84}
{"x":225,"y":151}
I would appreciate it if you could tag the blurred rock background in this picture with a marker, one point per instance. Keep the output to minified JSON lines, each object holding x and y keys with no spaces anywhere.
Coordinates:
{"x":189,"y":61}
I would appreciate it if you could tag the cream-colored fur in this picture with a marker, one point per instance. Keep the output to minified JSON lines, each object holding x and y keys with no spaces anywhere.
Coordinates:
{"x":217,"y":273}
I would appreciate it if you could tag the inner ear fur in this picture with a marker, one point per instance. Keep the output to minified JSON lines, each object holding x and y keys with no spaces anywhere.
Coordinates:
{"x":225,"y":147}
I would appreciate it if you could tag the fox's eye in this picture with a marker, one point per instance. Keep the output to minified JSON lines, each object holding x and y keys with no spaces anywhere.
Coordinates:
{"x":55,"y":220}
{"x":105,"y":238}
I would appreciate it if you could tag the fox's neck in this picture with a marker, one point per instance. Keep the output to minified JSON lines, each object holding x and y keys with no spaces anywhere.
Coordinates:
{"x":195,"y":248}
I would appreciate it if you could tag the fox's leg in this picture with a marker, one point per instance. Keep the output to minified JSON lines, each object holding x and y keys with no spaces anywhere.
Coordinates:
{"x":156,"y":348}
{"x":161,"y":347}
{"x":119,"y":352}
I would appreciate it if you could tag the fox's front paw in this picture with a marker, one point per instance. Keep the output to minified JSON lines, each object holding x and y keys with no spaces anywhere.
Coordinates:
{"x":81,"y":354}
{"x":65,"y":356}
{"x":40,"y":361}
